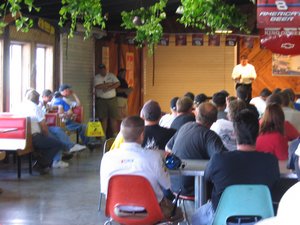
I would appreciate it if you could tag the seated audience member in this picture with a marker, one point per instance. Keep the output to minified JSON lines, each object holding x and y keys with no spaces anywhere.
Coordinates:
{"x":260,"y":101}
{"x":199,"y":99}
{"x":155,"y":136}
{"x":46,"y":148}
{"x":133,"y":159}
{"x":167,"y":119}
{"x":224,"y":128}
{"x":190,"y":95}
{"x":184,"y":107}
{"x":294,"y":152}
{"x":271,"y":137}
{"x":291,"y":95}
{"x":57,"y":131}
{"x":276,"y":91}
{"x":195,"y":140}
{"x":45,"y":102}
{"x":244,"y":166}
{"x":242,"y":93}
{"x":290,"y":131}
{"x":219,"y":99}
{"x":287,"y":213}
{"x":290,"y":114}
{"x":65,"y":109}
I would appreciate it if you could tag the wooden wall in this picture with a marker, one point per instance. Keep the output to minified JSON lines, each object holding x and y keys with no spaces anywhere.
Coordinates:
{"x":262,"y":61}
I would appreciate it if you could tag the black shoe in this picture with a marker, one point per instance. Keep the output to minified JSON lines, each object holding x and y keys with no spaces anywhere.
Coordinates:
{"x":66,"y":156}
{"x":40,"y":169}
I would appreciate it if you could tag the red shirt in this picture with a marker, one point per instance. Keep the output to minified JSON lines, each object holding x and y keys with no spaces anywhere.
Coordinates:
{"x":274,"y":143}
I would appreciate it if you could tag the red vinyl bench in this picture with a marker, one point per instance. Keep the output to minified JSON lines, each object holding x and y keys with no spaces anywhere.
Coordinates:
{"x":15,"y":136}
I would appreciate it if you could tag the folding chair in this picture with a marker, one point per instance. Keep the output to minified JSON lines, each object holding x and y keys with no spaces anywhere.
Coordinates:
{"x":132,"y":201}
{"x":107,"y":144}
{"x":244,"y":204}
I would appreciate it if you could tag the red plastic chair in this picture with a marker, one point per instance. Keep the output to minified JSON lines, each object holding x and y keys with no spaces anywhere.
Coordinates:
{"x":132,"y":190}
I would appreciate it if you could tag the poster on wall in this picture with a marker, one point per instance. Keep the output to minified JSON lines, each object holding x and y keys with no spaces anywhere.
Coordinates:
{"x":230,"y":40}
{"x":285,"y":65}
{"x":130,"y":68}
{"x":278,"y":13}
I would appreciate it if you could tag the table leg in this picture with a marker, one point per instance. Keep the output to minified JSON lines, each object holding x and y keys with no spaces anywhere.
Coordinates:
{"x":200,"y":191}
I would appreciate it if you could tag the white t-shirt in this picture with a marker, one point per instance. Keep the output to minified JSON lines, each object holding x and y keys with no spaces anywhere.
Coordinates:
{"x":109,"y":78}
{"x":32,"y":110}
{"x":246,"y":72}
{"x":224,"y":128}
{"x":293,"y":116}
{"x":166,"y":120}
{"x":133,"y":159}
{"x":260,"y":105}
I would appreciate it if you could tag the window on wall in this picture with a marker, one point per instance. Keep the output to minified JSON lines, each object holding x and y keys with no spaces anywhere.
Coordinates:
{"x":44,"y":68}
{"x":19,"y":78}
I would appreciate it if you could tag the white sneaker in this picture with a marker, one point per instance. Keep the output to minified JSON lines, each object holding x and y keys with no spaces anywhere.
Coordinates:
{"x":77,"y":148}
{"x":60,"y":164}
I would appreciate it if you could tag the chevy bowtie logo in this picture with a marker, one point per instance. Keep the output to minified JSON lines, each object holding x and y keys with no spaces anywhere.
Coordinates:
{"x":287,"y":45}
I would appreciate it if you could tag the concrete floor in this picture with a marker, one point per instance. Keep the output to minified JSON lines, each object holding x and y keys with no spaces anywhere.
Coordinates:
{"x":64,"y":197}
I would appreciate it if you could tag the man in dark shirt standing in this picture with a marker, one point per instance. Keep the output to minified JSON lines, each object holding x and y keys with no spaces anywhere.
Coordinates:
{"x":244,"y":166}
{"x":122,"y":94}
{"x":195,"y":140}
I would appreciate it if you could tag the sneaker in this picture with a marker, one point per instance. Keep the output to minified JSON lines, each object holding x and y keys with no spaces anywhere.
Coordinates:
{"x":60,"y":164}
{"x":77,"y":148}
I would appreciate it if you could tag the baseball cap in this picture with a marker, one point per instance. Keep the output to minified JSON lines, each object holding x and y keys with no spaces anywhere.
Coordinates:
{"x":101,"y":66}
{"x":173,"y":103}
{"x":64,"y":87}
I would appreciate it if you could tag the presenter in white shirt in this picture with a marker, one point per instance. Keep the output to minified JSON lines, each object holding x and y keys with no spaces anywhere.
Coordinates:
{"x":244,"y":74}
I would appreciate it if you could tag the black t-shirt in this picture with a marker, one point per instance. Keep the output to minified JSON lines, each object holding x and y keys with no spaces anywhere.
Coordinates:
{"x":181,"y":120}
{"x":193,"y":141}
{"x":156,"y":137}
{"x":240,"y":167}
{"x":123,"y":84}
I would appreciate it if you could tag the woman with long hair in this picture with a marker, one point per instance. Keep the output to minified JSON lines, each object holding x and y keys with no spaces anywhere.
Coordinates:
{"x":272,"y":137}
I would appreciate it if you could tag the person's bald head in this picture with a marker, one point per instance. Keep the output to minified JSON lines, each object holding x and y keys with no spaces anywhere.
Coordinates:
{"x":206,"y":114}
{"x":132,"y":129}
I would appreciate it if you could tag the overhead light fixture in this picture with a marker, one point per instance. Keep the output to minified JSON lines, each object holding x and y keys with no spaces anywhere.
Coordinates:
{"x":223,"y":31}
{"x":179,"y":10}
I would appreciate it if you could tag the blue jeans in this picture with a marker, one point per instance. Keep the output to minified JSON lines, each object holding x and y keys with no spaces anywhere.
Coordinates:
{"x":59,"y":133}
{"x":47,"y":148}
{"x":204,"y":215}
{"x":73,"y":126}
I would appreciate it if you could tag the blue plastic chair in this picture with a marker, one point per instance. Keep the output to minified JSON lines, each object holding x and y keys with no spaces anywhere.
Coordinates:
{"x":244,"y":200}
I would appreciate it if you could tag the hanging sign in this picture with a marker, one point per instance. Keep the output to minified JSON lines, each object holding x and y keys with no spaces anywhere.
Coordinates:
{"x":214,"y":40}
{"x":285,"y":41}
{"x":278,"y":13}
{"x":180,"y":39}
{"x":231,"y":40}
{"x":164,"y":41}
{"x":197,"y":39}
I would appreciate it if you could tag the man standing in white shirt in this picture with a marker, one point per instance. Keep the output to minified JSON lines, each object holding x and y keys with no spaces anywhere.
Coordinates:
{"x":243,"y":74}
{"x":106,"y":101}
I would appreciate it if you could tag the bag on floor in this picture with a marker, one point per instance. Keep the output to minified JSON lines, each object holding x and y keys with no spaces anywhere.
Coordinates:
{"x":94,"y":129}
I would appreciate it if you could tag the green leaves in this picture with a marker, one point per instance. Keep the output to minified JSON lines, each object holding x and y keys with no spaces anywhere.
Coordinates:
{"x":211,"y":15}
{"x":150,"y":30}
{"x":22,"y":23}
{"x":89,"y":12}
